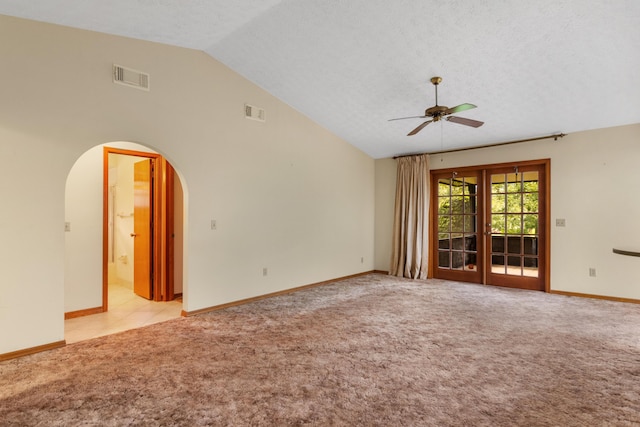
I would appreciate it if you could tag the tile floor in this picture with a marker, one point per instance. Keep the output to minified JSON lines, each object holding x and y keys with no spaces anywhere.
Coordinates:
{"x":126,"y":311}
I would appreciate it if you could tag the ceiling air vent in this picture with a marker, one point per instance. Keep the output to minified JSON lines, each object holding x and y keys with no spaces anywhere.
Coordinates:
{"x":254,"y":113}
{"x":129,"y":77}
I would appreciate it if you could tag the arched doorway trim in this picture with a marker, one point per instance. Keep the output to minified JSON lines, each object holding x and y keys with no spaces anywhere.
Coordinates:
{"x":80,"y":277}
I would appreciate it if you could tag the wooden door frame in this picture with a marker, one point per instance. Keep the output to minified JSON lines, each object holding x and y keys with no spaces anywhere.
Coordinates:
{"x":163,"y":255}
{"x":546,"y":230}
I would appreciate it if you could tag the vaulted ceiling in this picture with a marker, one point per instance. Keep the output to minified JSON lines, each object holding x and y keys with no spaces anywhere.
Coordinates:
{"x":533,"y":68}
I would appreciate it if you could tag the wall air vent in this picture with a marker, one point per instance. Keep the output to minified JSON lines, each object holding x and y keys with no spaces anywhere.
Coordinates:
{"x":254,"y":113}
{"x":131,"y":78}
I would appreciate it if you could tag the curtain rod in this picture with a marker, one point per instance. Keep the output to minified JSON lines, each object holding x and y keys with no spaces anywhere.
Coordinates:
{"x":518,"y":141}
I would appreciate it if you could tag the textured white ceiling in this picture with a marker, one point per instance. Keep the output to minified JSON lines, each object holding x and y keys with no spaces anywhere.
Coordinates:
{"x":532,"y":67}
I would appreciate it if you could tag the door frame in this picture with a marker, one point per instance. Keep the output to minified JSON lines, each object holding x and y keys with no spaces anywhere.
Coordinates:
{"x":162,"y":217}
{"x":546,"y":210}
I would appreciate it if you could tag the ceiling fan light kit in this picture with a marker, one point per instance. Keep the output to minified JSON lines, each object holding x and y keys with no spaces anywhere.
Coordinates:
{"x":437,"y":112}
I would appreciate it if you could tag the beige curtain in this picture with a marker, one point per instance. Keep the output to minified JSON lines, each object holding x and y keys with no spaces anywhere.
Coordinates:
{"x":410,"y":224}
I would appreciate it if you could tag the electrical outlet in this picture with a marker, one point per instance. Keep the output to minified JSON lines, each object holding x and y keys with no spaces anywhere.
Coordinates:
{"x":214,"y":225}
{"x":561,"y":222}
{"x":592,"y":272}
{"x":264,"y":271}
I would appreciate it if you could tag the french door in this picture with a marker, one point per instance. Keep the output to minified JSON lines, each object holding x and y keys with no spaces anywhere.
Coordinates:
{"x":458,"y":221}
{"x":490,"y":224}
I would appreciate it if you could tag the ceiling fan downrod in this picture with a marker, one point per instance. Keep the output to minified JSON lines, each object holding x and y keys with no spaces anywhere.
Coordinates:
{"x":436,"y":112}
{"x":436,"y":81}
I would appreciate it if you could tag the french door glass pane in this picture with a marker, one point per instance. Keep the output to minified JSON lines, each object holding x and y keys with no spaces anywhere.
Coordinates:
{"x":457,"y":222}
{"x":469,"y":223}
{"x":498,"y":203}
{"x":498,"y":224}
{"x":531,"y":245}
{"x":530,"y":202}
{"x":457,"y":204}
{"x":443,"y":241}
{"x":444,"y":189}
{"x":514,"y":245}
{"x":514,"y":185}
{"x":457,"y":260}
{"x":530,"y":267}
{"x":443,"y":259}
{"x":530,"y":224}
{"x":444,"y":224}
{"x":443,"y":206}
{"x":498,"y":184}
{"x":498,"y":266}
{"x":514,"y":223}
{"x":513,"y":265}
{"x":514,"y":202}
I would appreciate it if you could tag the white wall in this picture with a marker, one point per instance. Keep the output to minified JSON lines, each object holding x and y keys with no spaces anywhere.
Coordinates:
{"x":385,"y":203}
{"x":83,"y":243}
{"x":286,"y":194}
{"x":594,"y":178}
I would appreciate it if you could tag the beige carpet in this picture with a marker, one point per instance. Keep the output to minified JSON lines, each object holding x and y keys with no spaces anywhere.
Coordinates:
{"x":374,"y":350}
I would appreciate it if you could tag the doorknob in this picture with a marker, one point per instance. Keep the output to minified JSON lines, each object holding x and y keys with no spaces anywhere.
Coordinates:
{"x":134,"y":234}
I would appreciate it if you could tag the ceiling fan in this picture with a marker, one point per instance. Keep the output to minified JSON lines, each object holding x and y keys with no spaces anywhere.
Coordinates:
{"x":438,"y":112}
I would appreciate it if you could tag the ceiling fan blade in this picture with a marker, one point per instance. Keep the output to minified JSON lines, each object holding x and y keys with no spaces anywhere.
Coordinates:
{"x":412,"y":117}
{"x":465,"y":121}
{"x":459,"y":108}
{"x":419,"y":128}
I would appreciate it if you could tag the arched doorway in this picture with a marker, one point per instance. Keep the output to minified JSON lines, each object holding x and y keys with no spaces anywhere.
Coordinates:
{"x":99,"y":261}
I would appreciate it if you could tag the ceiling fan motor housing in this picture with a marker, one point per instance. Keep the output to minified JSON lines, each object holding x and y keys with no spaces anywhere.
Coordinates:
{"x":437,"y":111}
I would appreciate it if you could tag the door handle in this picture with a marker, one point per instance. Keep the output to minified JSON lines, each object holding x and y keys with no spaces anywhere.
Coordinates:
{"x":134,"y":234}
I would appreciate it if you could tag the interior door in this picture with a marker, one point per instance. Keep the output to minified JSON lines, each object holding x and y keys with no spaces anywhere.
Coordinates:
{"x":142,"y":228}
{"x":458,"y":217}
{"x":515,"y":226}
